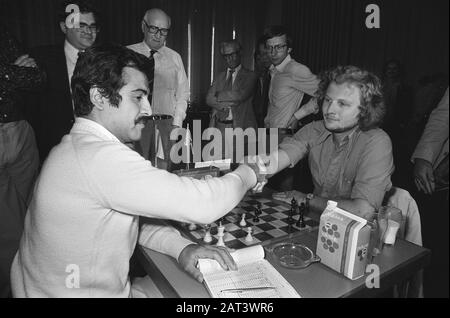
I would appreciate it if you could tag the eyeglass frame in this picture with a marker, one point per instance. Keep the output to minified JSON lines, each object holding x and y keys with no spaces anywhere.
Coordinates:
{"x":83,"y":27}
{"x":277,"y":47}
{"x":160,"y":30}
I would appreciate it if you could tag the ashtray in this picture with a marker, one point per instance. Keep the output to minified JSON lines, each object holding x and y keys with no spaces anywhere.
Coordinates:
{"x":293,"y":255}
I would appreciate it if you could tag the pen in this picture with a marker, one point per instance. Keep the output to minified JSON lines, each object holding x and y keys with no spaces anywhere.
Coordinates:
{"x":246,"y":289}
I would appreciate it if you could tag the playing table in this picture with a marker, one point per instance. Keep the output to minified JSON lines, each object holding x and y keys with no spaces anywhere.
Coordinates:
{"x":396,"y":264}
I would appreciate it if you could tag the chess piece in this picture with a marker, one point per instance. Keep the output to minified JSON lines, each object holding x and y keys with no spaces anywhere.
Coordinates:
{"x":220,"y":241}
{"x":301,"y":221}
{"x":243,"y":223}
{"x":258,"y":212}
{"x":249,"y":237}
{"x":294,"y":206}
{"x":220,"y":235}
{"x":192,"y":227}
{"x":207,"y":238}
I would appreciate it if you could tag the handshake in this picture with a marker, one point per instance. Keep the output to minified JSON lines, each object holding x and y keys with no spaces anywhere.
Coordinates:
{"x":263,"y":166}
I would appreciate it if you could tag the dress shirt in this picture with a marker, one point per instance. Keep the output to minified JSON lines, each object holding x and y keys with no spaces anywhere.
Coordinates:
{"x":360,"y":167}
{"x":233,"y":74}
{"x":290,"y":81}
{"x":71,"y":54}
{"x":170,"y":83}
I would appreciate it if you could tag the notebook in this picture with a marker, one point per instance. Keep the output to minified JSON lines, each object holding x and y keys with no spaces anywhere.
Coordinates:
{"x":254,"y":278}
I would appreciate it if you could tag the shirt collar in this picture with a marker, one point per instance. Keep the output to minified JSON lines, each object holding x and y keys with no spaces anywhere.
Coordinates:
{"x":325,"y":133}
{"x":282,"y":65}
{"x":236,"y":70}
{"x":149,"y":49}
{"x":86,"y":124}
{"x":71,"y":52}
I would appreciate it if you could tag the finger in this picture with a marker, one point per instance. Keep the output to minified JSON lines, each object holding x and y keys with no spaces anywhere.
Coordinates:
{"x":421,"y":186}
{"x":20,"y":59}
{"x":418,"y":186}
{"x":431,"y":183}
{"x":198,"y":276}
{"x":223,"y":257}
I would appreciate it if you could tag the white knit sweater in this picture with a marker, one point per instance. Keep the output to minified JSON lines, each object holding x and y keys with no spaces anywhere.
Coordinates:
{"x":84,"y":215}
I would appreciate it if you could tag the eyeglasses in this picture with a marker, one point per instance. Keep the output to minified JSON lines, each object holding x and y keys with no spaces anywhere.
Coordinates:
{"x":230,"y":55}
{"x":85,"y":28}
{"x":154,"y":29}
{"x":278,"y":47}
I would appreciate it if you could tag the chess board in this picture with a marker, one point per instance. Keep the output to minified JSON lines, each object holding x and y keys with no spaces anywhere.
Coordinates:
{"x":273,"y":223}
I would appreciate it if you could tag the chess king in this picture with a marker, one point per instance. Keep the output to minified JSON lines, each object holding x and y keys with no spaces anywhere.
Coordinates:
{"x":350,"y":157}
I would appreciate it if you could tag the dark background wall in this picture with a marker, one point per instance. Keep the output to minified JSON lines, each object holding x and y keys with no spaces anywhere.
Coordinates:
{"x":325,"y":32}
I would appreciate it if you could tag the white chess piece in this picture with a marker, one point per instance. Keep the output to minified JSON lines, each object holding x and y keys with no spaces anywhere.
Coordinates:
{"x":208,"y":237}
{"x":249,"y":236}
{"x":243,"y":223}
{"x":220,"y":235}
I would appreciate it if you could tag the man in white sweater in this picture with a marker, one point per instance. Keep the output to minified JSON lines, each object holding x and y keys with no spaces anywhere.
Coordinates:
{"x":82,"y":225}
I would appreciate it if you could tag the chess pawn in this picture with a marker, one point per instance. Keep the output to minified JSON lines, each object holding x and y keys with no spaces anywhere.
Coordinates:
{"x":243,"y":223}
{"x":249,"y":236}
{"x":208,"y":237}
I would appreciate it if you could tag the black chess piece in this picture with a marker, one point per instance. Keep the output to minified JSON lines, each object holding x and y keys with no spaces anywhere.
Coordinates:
{"x":301,"y":220}
{"x":292,"y":212}
{"x":258,"y":212}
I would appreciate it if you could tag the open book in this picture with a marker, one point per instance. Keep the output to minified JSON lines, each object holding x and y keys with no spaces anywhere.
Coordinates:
{"x":254,"y":278}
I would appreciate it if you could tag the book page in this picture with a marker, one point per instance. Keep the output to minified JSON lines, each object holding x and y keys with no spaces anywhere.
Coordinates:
{"x":252,"y":272}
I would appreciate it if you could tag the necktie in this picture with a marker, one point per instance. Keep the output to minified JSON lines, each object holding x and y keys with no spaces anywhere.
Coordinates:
{"x":229,"y":82}
{"x":152,"y":52}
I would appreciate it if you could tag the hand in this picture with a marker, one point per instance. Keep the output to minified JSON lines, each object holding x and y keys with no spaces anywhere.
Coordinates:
{"x":311,"y":107}
{"x":190,"y":255}
{"x":259,"y":166}
{"x":423,"y":176}
{"x":293,"y":123}
{"x":25,"y":61}
{"x":287,"y":196}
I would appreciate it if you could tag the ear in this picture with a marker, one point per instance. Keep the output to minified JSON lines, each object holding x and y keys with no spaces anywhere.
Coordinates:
{"x":63,"y":27}
{"x":97,"y":99}
{"x":143,"y":27}
{"x":289,"y":50}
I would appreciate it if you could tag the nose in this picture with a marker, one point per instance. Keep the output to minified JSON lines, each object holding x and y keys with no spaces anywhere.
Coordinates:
{"x":146,"y":107}
{"x":329,"y":108}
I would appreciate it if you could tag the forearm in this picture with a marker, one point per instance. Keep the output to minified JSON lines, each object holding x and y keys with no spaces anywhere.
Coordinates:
{"x":159,"y":236}
{"x":358,"y":207}
{"x":278,"y":161}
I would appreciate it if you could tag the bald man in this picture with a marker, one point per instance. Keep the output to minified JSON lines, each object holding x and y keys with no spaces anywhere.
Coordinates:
{"x":170,"y":85}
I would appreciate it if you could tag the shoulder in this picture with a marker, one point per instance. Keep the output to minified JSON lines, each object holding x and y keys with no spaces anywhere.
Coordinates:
{"x":170,"y":52}
{"x":376,"y":139}
{"x":297,"y":68}
{"x":248,"y":73}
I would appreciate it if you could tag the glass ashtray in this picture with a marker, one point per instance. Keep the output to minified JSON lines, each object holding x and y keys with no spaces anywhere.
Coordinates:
{"x":293,"y":255}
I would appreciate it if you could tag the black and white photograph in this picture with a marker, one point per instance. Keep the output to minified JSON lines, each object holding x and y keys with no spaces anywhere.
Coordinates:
{"x":202,"y":149}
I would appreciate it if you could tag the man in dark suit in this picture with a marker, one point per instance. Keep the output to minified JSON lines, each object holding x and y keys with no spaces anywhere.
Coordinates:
{"x":54,"y":117}
{"x":230,"y":96}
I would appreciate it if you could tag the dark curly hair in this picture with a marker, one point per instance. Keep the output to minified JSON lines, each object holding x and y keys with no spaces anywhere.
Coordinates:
{"x":371,"y":105}
{"x":101,"y":66}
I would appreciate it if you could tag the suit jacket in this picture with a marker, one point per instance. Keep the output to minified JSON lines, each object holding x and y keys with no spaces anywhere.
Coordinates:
{"x":433,"y":145}
{"x":242,"y":93}
{"x":53,"y":116}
